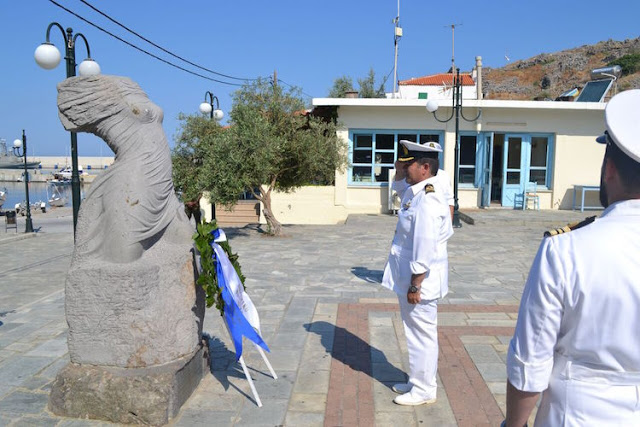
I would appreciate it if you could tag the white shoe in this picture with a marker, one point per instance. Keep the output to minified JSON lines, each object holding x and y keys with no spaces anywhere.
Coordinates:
{"x":402,"y":388}
{"x":408,"y":400}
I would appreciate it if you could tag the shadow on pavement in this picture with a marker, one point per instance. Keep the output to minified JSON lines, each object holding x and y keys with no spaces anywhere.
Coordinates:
{"x":356,"y":353}
{"x":371,"y":276}
{"x":223,"y":365}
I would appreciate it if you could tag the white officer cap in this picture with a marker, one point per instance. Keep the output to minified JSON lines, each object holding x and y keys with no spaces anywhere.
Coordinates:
{"x":622,"y":117}
{"x":413,"y":150}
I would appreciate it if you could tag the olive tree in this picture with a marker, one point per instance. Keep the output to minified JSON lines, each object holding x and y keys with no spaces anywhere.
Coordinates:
{"x":272,"y":143}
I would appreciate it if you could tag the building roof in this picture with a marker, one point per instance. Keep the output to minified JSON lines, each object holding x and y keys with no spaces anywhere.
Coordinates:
{"x":437,"y":80}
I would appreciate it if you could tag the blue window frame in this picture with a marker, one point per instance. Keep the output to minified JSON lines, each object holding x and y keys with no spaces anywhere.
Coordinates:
{"x":540,"y":155}
{"x":372,"y":153}
{"x":468,"y":168}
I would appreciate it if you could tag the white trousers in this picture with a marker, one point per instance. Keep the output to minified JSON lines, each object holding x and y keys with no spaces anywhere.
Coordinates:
{"x":421,"y":328}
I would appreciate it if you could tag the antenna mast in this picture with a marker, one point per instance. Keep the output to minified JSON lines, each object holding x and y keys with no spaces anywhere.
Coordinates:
{"x":396,"y":36}
{"x":453,"y":56}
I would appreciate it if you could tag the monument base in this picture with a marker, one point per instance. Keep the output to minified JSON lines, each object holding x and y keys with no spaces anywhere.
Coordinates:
{"x":151,"y":395}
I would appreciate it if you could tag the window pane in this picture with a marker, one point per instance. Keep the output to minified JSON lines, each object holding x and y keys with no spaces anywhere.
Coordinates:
{"x":361,"y":174}
{"x":467,"y":175}
{"x":362,"y":141}
{"x":429,"y":138}
{"x":513,"y":177}
{"x":384,"y":141}
{"x":468,"y":150}
{"x":408,"y":136}
{"x":384,"y":158}
{"x":382,"y":173}
{"x":362,"y":156}
{"x":539,"y":176}
{"x":515,"y":146}
{"x":539,"y":151}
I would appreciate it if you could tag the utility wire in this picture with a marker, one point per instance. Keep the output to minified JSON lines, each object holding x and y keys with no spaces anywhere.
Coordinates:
{"x":295,"y":87}
{"x":140,"y":49}
{"x":160,"y":47}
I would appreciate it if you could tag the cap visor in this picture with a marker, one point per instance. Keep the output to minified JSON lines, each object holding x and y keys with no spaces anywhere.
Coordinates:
{"x":602,"y":139}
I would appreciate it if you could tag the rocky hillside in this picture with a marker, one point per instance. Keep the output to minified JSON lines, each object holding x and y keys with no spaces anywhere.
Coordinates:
{"x":549,"y":74}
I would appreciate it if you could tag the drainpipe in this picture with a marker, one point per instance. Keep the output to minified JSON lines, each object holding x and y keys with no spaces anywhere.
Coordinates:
{"x":479,"y":76}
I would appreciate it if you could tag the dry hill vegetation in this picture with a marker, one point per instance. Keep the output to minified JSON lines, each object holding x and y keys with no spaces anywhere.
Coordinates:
{"x":547,"y":75}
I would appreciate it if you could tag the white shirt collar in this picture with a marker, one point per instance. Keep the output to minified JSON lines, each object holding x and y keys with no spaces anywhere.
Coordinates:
{"x":623,"y":207}
{"x":416,"y":188}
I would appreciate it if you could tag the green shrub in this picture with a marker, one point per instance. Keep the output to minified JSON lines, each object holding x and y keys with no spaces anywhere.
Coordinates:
{"x":629,"y":63}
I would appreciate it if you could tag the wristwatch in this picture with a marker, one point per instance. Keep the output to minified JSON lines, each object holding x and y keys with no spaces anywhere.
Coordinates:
{"x":413,"y":289}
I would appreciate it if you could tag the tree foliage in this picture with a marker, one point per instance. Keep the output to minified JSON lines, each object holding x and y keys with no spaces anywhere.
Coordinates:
{"x":368,"y":88}
{"x":341,"y":86}
{"x":271,"y":144}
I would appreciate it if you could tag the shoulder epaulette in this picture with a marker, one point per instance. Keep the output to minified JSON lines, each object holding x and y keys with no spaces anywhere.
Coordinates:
{"x":569,"y":227}
{"x":429,"y":188}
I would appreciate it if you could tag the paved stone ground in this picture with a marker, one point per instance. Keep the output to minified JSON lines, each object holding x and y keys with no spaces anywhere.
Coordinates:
{"x":336,"y":337}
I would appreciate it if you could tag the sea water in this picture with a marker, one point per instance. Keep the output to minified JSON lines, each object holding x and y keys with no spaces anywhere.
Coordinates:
{"x":38,"y":192}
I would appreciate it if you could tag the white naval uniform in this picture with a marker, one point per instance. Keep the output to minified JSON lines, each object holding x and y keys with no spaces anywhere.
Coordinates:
{"x":578,"y":332}
{"x":420,"y":246}
{"x":445,"y":186}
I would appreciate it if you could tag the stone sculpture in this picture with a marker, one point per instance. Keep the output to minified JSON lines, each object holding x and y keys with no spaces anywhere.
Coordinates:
{"x":133,"y":309}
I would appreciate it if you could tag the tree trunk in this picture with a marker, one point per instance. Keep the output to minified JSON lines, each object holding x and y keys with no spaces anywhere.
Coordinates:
{"x":273,"y":225}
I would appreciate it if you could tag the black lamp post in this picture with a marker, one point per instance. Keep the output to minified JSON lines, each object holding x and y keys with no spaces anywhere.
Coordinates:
{"x":48,"y":57}
{"x":432,"y":107}
{"x":207,"y":107}
{"x":17,"y":145}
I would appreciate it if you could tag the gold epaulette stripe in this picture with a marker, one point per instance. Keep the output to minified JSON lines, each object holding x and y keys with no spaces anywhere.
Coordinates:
{"x":569,"y":227}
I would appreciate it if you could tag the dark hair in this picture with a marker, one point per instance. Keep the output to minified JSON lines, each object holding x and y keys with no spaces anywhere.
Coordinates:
{"x":628,"y":168}
{"x":432,"y":160}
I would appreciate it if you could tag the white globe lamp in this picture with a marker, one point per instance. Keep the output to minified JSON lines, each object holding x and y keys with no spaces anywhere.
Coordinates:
{"x":218,"y":114}
{"x":89,"y":67}
{"x":432,"y":106}
{"x":205,"y":108}
{"x":47,"y":56}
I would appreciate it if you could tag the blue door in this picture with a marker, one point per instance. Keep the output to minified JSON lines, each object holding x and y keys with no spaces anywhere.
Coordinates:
{"x":486,"y":165}
{"x":514,"y":165}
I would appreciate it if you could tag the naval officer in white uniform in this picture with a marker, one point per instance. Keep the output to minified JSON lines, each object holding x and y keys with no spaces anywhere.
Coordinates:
{"x":416,"y":269}
{"x":577,"y":338}
{"x":443,"y":182}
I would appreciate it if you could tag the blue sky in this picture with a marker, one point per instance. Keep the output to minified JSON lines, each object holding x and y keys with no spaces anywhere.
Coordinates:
{"x":308,"y":43}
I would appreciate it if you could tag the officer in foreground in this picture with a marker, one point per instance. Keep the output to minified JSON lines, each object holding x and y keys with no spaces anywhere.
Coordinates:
{"x":577,"y":338}
{"x":417,"y":268}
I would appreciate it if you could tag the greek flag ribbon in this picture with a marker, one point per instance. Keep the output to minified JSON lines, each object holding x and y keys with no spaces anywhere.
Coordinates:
{"x":239,"y":312}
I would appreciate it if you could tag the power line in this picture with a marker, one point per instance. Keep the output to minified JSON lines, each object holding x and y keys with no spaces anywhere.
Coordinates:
{"x":295,"y":87}
{"x":140,"y":49}
{"x":160,"y":47}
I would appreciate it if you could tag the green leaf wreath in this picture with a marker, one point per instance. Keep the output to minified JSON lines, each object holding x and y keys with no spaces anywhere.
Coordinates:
{"x":208,"y":277}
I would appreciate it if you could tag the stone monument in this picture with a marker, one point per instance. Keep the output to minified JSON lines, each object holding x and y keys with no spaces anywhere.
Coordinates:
{"x":134,"y":311}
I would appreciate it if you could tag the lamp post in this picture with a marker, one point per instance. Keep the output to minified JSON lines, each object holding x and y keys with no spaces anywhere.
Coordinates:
{"x":207,"y":107}
{"x":456,"y":109}
{"x":48,"y":57}
{"x":17,"y":145}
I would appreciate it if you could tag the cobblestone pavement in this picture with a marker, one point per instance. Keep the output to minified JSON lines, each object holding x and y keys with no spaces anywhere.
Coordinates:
{"x":336,"y":336}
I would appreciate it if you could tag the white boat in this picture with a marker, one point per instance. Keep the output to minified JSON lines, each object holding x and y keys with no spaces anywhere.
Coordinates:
{"x":56,"y":200}
{"x":63,"y":176}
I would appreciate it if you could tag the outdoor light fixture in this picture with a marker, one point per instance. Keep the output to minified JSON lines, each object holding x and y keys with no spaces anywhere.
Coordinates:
{"x":432,"y":107}
{"x":17,"y":145}
{"x":207,"y":107}
{"x":48,"y":57}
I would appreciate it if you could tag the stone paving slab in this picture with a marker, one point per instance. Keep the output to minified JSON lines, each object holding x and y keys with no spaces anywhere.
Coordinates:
{"x":301,"y":284}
